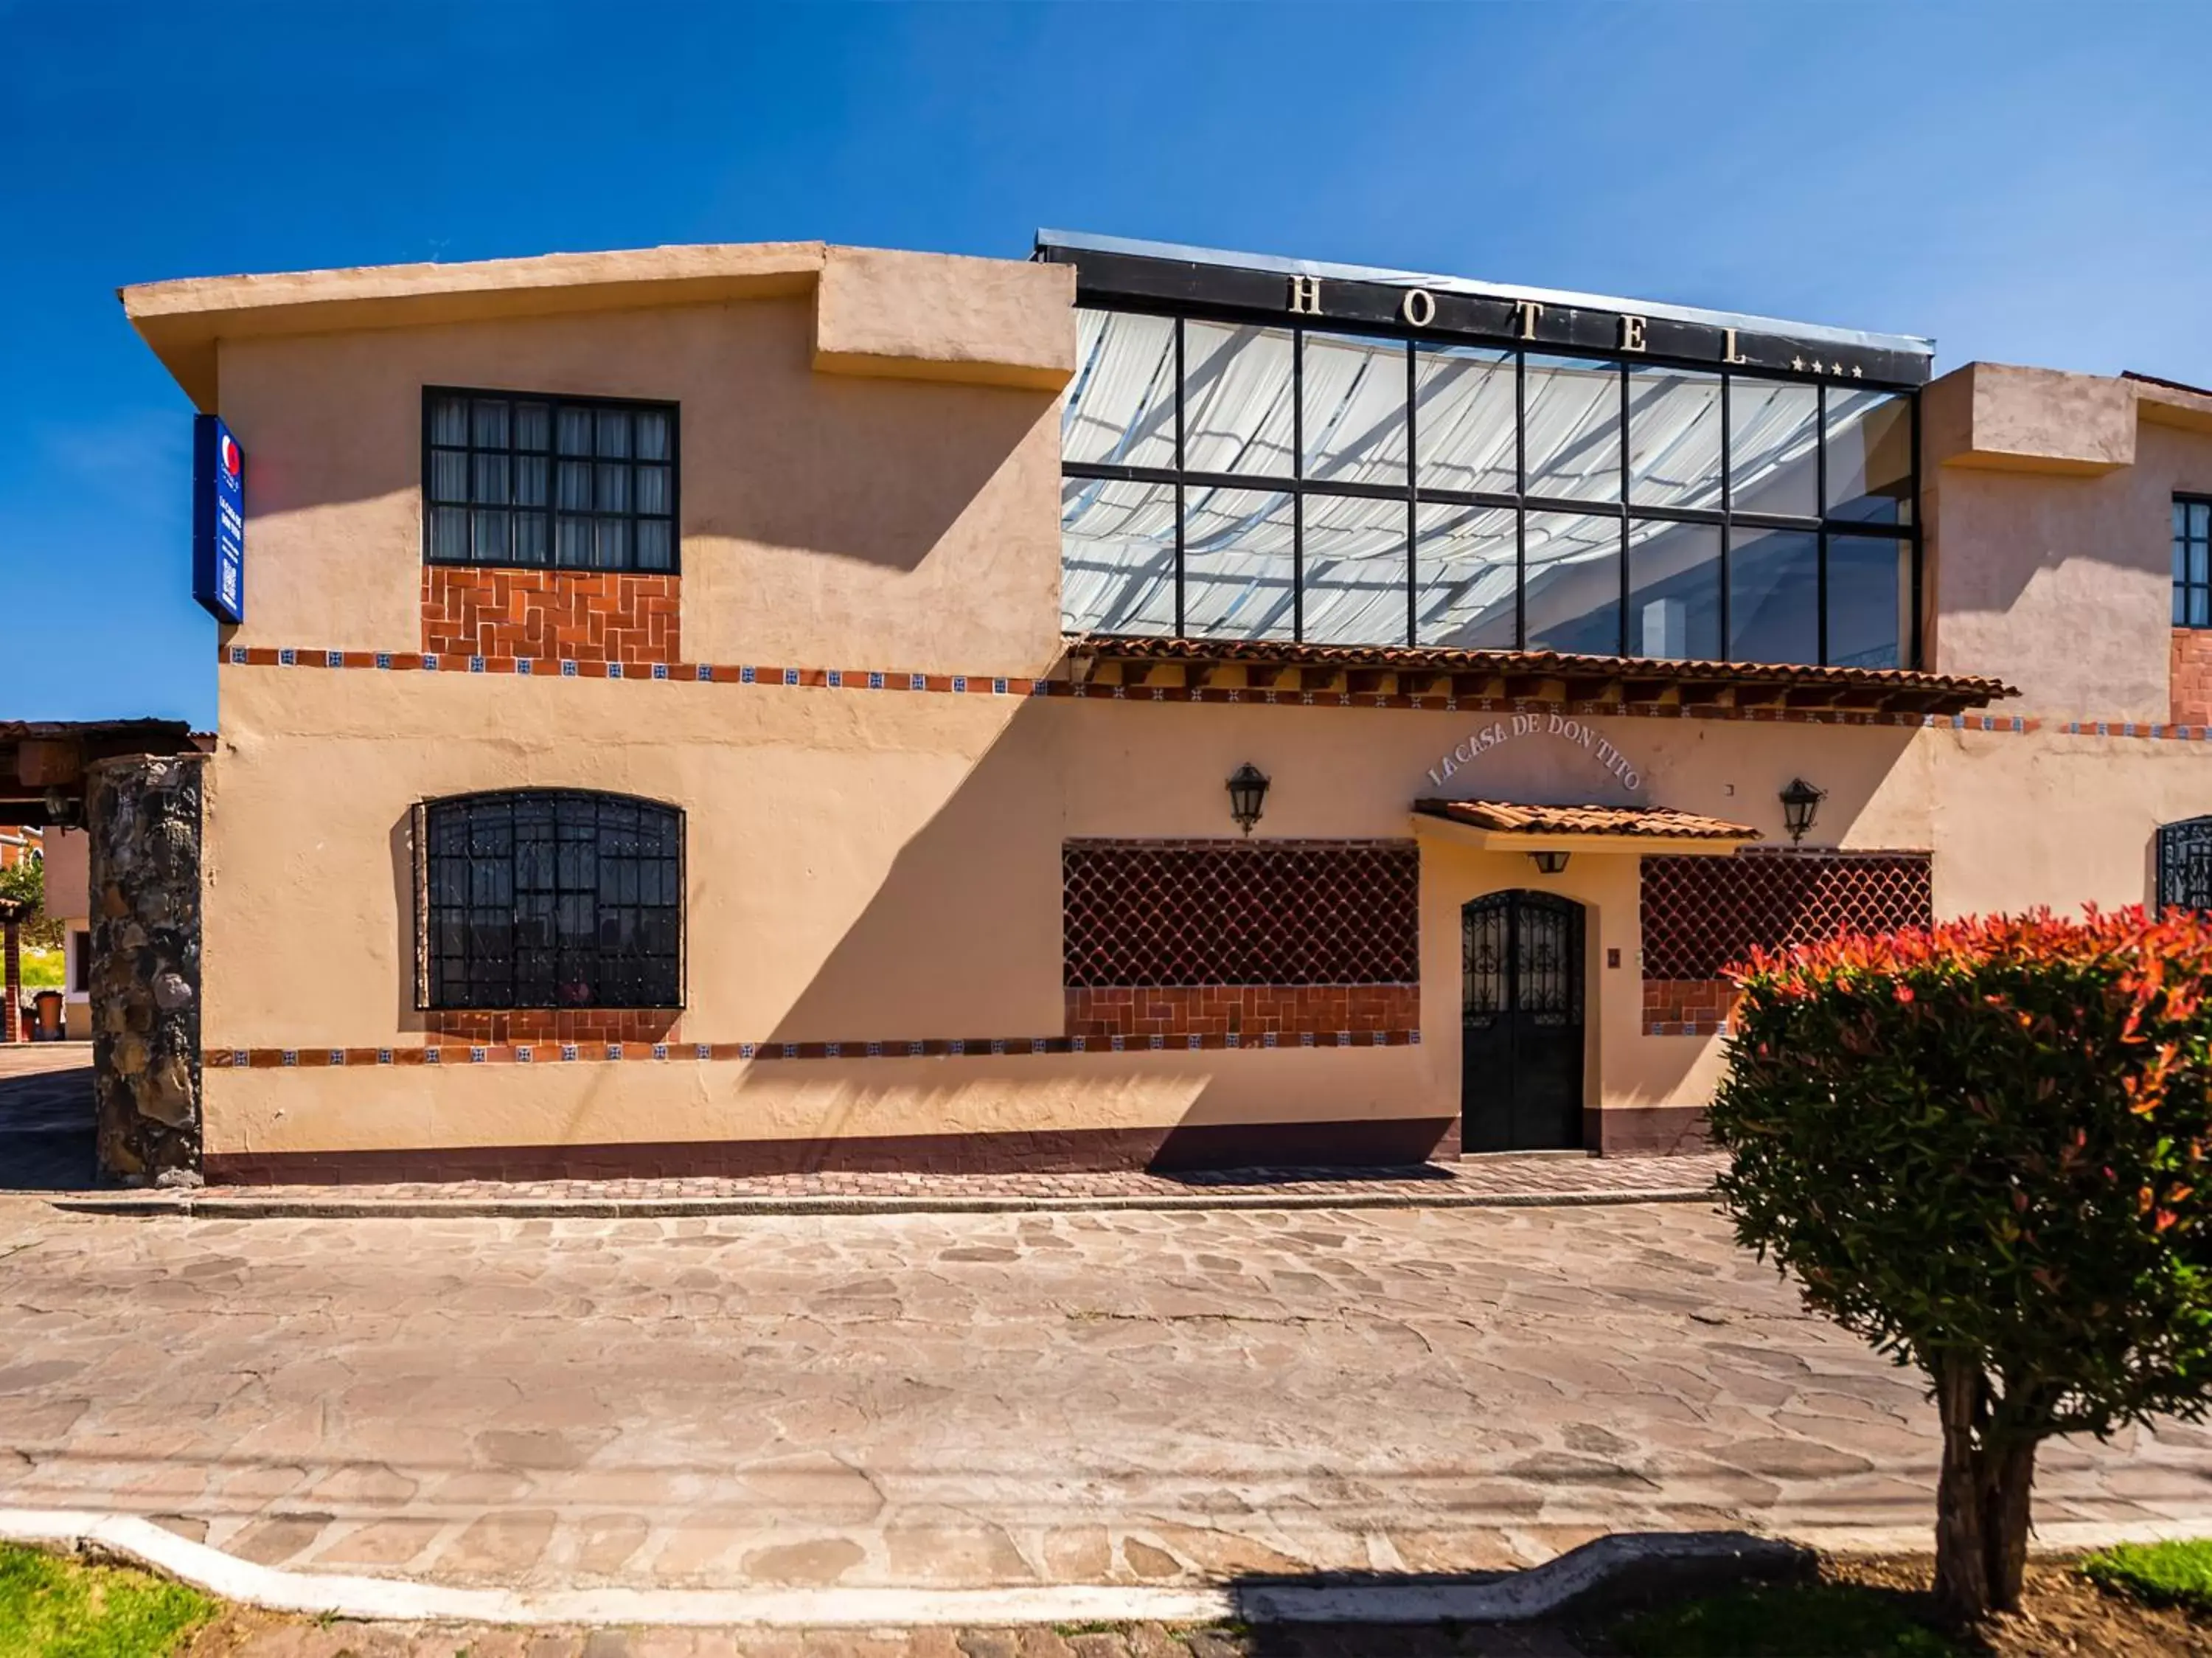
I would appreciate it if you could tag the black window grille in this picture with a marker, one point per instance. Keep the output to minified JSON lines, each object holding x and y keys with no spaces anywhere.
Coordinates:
{"x":550,"y":898}
{"x":2192,"y":561}
{"x":2184,"y":864}
{"x":560,"y":482}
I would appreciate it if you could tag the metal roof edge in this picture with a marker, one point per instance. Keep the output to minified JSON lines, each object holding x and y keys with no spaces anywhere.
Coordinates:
{"x":1080,"y":242}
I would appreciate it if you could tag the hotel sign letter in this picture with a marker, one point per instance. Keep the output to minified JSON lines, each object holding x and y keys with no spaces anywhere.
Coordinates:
{"x":1477,"y":315}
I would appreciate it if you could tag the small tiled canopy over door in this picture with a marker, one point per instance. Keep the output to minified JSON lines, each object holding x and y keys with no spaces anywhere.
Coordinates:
{"x":1257,"y":941}
{"x":1700,"y":914}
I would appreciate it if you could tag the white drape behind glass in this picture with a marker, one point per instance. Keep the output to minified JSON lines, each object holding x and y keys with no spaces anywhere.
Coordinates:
{"x":1239,"y":419}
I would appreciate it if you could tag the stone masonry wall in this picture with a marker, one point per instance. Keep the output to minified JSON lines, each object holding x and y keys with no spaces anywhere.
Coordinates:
{"x":143,"y":814}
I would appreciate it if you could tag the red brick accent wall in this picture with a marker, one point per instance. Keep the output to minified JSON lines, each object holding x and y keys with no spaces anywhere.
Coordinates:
{"x":1700,"y":914}
{"x":2188,"y":683}
{"x":1261,"y":912}
{"x":492,"y":1027}
{"x":1248,"y":1011}
{"x":1688,"y":1001}
{"x":584,"y":616}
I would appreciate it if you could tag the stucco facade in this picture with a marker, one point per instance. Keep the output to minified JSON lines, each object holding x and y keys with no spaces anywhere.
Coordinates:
{"x":884,"y":745}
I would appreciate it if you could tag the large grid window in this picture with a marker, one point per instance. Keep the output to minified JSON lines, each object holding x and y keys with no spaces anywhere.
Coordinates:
{"x":550,"y":899}
{"x":1248,"y":481}
{"x":544,"y":482}
{"x":2192,"y":561}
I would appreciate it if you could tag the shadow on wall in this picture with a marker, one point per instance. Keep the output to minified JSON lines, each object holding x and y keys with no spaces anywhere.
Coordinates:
{"x":968,"y":915}
{"x":874,"y":470}
{"x":774,"y":454}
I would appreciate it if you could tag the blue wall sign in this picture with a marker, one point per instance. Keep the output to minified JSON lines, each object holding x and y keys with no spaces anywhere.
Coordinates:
{"x":218,"y":521}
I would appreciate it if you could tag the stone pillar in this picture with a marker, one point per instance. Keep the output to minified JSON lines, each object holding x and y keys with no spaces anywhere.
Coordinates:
{"x":11,"y":978}
{"x":143,"y":816}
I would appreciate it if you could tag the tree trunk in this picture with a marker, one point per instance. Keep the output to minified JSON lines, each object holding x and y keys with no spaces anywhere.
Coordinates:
{"x":1982,"y":1499}
{"x":2004,"y":1523}
{"x":1962,"y":1555}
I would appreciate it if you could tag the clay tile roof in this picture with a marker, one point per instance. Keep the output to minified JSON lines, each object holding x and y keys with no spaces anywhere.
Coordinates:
{"x":1591,"y":678}
{"x":1508,"y":817}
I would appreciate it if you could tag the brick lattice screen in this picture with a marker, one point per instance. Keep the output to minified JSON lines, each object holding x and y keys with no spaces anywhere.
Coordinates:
{"x":1281,"y":912}
{"x":1700,"y":914}
{"x":582,"y":616}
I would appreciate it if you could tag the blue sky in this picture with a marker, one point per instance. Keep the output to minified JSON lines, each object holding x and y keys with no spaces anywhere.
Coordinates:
{"x":2024,"y":182}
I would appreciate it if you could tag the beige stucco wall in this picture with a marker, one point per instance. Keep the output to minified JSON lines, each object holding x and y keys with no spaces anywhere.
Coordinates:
{"x":870,"y":481}
{"x":827,"y":521}
{"x":886,"y":866}
{"x":2048,"y":499}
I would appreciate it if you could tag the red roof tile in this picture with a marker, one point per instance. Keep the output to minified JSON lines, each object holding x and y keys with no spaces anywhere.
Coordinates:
{"x":1936,"y":692}
{"x":1510,"y":816}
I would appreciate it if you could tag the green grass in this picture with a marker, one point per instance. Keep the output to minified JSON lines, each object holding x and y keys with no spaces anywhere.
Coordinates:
{"x":55,"y":1608}
{"x":1812,"y":1620}
{"x":2159,"y":1573}
{"x":42,"y":969}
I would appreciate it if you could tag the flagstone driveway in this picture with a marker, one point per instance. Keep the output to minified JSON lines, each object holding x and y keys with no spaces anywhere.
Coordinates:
{"x":930,"y":1400}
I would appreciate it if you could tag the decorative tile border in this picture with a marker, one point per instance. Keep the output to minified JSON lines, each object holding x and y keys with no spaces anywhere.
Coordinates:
{"x":867,"y":679}
{"x":545,"y":1053}
{"x":1659,"y":1028}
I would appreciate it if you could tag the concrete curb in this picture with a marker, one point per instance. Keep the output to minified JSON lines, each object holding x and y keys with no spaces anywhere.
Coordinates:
{"x":191,"y":1205}
{"x":1579,"y":1576}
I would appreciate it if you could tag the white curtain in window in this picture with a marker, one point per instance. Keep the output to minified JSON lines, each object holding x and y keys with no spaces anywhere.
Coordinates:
{"x":1465,"y":567}
{"x":1674,"y":438}
{"x":1238,"y":411}
{"x":1355,"y":410}
{"x":1238,"y":563}
{"x":1464,"y":402}
{"x":1355,"y":570}
{"x":1571,"y":410}
{"x":1121,"y":409}
{"x":1774,"y":435}
{"x":1117,"y":556}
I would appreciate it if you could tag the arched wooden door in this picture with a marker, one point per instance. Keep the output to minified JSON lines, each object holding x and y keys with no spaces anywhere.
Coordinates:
{"x":1521,"y":1013}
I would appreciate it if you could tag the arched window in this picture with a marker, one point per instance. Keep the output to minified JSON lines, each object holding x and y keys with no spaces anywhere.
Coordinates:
{"x":2184,"y":864}
{"x":549,"y":898}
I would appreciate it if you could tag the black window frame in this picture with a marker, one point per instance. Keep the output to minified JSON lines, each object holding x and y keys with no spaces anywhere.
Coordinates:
{"x":434,"y":988}
{"x":2185,"y":588}
{"x":1827,"y":526}
{"x":555,"y":402}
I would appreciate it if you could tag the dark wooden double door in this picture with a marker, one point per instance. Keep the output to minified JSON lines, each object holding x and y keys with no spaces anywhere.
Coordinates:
{"x":1521,"y":1010}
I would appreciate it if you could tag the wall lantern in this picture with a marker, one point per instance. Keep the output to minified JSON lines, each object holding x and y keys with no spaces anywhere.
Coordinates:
{"x":1800,"y":801}
{"x":1548,"y":862}
{"x":1248,"y":793}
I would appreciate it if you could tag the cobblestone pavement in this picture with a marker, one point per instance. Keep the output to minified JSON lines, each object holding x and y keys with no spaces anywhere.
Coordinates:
{"x":294,"y":1640}
{"x":45,"y":1116}
{"x":1501,"y":1179}
{"x":1125,"y":1397}
{"x":46,"y":1144}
